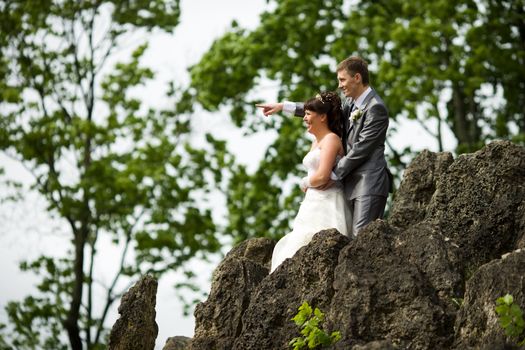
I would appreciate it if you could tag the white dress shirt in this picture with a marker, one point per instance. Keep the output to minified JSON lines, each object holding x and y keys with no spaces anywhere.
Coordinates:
{"x":289,"y":107}
{"x":359,"y":101}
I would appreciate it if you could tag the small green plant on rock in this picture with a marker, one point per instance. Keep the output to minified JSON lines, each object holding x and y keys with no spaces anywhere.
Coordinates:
{"x":309,"y":321}
{"x":511,"y":318}
{"x":458,"y":302}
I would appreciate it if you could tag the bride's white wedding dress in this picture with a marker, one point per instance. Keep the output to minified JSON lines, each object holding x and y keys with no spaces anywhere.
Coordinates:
{"x":319,"y":210}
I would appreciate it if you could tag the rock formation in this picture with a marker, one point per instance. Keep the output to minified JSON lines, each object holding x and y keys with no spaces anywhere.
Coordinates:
{"x":476,"y":324}
{"x":136,"y":328}
{"x":426,"y":278}
{"x":218,"y":320}
{"x":177,"y":343}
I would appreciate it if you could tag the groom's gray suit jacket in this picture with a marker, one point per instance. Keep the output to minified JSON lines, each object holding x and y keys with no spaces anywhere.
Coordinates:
{"x":363,"y":169}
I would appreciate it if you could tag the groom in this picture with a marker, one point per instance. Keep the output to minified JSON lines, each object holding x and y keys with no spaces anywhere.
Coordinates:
{"x":363,"y":170}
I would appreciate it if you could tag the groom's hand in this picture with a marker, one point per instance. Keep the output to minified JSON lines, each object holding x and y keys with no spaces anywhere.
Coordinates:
{"x":326,"y":185}
{"x":270,"y":108}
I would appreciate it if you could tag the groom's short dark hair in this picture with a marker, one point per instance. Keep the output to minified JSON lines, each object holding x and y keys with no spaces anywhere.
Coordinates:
{"x":353,"y":65}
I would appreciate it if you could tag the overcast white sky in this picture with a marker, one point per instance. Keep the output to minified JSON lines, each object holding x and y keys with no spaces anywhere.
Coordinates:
{"x":27,"y":231}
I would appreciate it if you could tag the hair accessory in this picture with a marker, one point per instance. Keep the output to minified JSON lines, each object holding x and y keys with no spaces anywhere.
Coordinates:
{"x":319,"y":97}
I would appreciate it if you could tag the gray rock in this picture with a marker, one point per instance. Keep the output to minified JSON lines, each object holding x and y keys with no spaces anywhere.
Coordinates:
{"x":177,"y":343}
{"x":394,"y":286}
{"x":376,"y":345}
{"x":218,"y":320}
{"x":381,"y":294}
{"x":136,"y":328}
{"x":308,"y":276}
{"x":479,"y":202}
{"x":417,"y":188}
{"x":477,"y":323}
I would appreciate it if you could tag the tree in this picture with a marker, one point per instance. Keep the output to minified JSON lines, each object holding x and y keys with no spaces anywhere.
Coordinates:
{"x":258,"y":203}
{"x":106,"y":162}
{"x":458,"y":53}
{"x":455,"y":64}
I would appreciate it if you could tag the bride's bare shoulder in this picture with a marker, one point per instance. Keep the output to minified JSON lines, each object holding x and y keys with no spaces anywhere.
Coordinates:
{"x":332,"y":138}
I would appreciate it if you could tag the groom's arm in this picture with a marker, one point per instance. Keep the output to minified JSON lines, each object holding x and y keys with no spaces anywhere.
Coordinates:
{"x":287,"y":107}
{"x":293,"y":108}
{"x":372,"y":134}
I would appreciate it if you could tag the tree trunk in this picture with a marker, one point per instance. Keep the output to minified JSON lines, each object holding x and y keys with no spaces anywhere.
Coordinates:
{"x":466,"y":131}
{"x":71,"y":323}
{"x":459,"y":121}
{"x":475,"y":131}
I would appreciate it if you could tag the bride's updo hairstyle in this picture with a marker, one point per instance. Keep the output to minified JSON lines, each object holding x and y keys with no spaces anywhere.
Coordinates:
{"x":329,"y":103}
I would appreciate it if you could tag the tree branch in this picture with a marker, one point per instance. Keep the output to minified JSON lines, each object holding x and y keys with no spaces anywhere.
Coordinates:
{"x":423,"y":125}
{"x":396,"y":154}
{"x":439,"y":134}
{"x":70,"y":35}
{"x":110,"y":298}
{"x":90,"y":290}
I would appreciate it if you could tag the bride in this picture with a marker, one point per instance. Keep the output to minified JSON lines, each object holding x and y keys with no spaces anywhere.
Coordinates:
{"x":321,"y":208}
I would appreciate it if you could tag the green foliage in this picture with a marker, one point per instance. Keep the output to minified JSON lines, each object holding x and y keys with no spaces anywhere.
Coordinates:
{"x":511,"y":318}
{"x":313,"y":336}
{"x":455,"y":65}
{"x":257,"y":203}
{"x":289,"y":46}
{"x":36,"y":320}
{"x":107,"y":162}
{"x":458,"y":302}
{"x":4,"y":345}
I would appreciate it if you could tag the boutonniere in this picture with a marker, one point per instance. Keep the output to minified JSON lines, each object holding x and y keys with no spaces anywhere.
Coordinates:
{"x":355,"y":115}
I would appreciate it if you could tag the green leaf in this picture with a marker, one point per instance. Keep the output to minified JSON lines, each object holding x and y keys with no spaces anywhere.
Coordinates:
{"x":318,"y":314}
{"x":313,"y":335}
{"x":515,"y":311}
{"x":502,"y":309}
{"x":510,"y":317}
{"x":508,"y":299}
{"x":505,"y":321}
{"x":336,"y":336}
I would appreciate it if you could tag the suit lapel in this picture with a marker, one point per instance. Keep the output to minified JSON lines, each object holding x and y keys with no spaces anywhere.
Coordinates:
{"x":363,"y":108}
{"x":368,"y":98}
{"x":351,"y":123}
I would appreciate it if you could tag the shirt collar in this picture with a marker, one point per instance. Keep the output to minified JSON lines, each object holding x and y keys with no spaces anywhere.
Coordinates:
{"x":359,"y":101}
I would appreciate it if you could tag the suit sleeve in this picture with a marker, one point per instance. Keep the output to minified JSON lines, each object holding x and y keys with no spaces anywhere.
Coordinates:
{"x":293,"y":108}
{"x":372,"y":134}
{"x":299,"y":109}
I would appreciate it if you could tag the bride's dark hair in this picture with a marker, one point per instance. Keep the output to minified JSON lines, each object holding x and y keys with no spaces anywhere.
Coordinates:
{"x":329,"y":103}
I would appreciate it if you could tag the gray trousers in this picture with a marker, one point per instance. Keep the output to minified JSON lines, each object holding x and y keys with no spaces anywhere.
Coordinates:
{"x":365,"y":209}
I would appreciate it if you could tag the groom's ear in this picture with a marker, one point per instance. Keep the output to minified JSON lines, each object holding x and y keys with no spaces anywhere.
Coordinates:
{"x":358,"y":78}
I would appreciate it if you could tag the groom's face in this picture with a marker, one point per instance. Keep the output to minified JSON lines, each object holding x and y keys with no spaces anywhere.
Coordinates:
{"x":348,"y":83}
